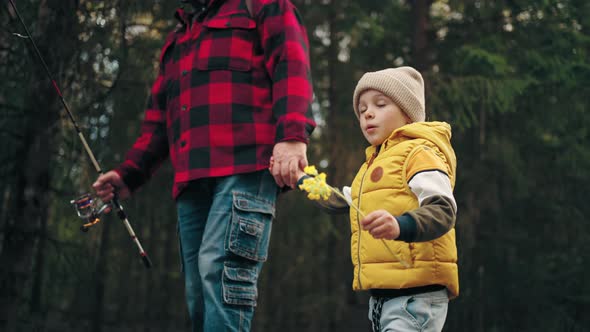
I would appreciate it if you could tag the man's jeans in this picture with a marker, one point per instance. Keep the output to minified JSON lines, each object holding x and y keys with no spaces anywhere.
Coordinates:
{"x":224,"y":227}
{"x":425,"y":312}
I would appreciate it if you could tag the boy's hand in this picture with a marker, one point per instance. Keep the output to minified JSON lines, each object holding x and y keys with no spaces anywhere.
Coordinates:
{"x":381,"y":225}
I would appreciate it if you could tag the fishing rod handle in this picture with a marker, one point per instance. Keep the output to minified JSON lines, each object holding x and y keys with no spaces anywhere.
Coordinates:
{"x":123,"y":216}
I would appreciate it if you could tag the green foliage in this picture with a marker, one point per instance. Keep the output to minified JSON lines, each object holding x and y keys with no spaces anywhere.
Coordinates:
{"x":477,"y":61}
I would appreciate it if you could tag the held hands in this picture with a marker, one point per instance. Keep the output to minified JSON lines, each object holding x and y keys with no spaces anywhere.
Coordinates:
{"x":105,"y":187}
{"x":287,"y":162}
{"x":381,"y":225}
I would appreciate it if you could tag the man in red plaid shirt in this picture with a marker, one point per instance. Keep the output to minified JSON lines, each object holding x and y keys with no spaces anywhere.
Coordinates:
{"x":233,"y":90}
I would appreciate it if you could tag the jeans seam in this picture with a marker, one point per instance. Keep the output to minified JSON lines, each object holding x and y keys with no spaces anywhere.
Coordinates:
{"x":241,"y":327}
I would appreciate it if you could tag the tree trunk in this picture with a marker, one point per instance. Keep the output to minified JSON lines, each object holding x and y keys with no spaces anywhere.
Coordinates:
{"x":39,"y":269}
{"x":335,"y":145}
{"x":421,"y":23}
{"x":22,"y":236}
{"x":100,"y":277}
{"x":340,"y":123}
{"x":32,"y":190}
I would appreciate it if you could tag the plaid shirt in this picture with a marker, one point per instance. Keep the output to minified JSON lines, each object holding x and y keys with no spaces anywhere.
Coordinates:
{"x":230,"y":86}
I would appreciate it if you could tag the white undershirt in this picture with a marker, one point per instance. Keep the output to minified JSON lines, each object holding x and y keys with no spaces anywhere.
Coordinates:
{"x":432,"y":183}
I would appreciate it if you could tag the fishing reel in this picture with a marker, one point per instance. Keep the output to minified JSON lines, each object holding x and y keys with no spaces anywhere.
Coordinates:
{"x":88,"y":210}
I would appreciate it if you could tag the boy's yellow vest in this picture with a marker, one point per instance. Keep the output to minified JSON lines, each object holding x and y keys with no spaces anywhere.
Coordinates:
{"x":382,"y":183}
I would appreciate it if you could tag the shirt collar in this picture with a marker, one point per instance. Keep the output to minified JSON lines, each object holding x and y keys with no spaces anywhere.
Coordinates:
{"x":182,"y":16}
{"x":185,"y":16}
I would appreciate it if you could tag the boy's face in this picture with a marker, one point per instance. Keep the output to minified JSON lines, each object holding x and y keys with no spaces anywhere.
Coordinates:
{"x":379,"y":116}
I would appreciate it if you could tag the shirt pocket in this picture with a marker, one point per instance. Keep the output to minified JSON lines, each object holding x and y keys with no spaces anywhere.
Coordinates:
{"x":227,"y":44}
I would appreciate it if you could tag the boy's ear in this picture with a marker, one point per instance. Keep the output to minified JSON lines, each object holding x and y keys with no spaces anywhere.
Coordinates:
{"x":407,"y":118}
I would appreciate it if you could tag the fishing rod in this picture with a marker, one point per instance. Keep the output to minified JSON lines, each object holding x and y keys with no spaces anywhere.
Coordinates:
{"x":85,"y":205}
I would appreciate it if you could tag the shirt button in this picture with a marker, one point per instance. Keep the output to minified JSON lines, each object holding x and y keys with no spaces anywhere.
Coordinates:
{"x":183,"y":107}
{"x":184,"y":72}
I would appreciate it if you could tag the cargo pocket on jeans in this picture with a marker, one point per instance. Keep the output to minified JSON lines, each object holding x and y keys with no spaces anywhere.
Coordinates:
{"x":239,"y":285}
{"x":250,"y":226}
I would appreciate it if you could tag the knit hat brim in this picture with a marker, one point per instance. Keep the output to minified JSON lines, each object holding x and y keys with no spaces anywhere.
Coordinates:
{"x":409,"y":98}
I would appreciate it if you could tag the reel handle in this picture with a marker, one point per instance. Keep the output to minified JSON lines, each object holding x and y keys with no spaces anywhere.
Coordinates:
{"x":85,"y":206}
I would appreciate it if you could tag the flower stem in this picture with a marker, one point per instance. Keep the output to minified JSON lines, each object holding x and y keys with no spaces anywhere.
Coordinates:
{"x":351,"y":204}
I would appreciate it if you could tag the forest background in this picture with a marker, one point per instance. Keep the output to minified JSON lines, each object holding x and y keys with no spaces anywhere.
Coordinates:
{"x":511,"y":76}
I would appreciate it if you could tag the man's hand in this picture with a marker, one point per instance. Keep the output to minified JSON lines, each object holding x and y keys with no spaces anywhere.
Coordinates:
{"x":288,"y":161}
{"x":381,"y":225}
{"x":105,"y":187}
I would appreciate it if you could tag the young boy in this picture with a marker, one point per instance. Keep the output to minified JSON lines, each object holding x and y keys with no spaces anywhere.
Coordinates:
{"x":403,"y":249}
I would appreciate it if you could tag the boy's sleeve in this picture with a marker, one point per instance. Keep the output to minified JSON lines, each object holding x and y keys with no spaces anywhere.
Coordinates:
{"x":436,"y":214}
{"x":286,"y":56}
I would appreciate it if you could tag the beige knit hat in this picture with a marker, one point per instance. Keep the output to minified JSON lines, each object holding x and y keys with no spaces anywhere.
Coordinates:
{"x":404,"y":85}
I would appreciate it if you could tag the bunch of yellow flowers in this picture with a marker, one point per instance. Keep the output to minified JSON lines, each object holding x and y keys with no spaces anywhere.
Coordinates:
{"x":316,"y":185}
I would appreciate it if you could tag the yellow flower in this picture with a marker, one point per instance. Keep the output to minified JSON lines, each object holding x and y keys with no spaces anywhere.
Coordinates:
{"x":315,"y":185}
{"x":310,"y":170}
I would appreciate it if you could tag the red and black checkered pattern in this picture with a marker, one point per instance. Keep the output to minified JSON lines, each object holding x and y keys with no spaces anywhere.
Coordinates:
{"x":230,"y":86}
